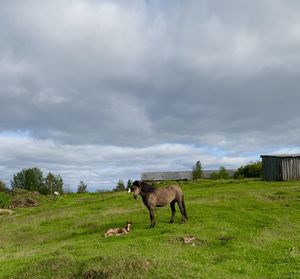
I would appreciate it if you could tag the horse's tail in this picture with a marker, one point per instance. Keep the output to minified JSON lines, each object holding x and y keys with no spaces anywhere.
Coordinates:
{"x":184,"y":209}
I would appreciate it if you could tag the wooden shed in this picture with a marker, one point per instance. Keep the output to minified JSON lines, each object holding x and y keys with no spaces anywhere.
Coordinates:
{"x":170,"y":175}
{"x":281,"y":167}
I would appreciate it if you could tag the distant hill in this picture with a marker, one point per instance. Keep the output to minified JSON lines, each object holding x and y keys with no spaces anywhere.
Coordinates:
{"x":177,"y":175}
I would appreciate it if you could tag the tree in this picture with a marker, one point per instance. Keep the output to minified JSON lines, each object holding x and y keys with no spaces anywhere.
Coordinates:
{"x":214,"y":175}
{"x":81,"y":188}
{"x":54,"y":183}
{"x":129,"y":184}
{"x":120,"y":186}
{"x":197,"y":171}
{"x":29,"y":179}
{"x":59,"y":186}
{"x":3,"y":187}
{"x":252,"y":170}
{"x":19,"y":180}
{"x":221,"y":174}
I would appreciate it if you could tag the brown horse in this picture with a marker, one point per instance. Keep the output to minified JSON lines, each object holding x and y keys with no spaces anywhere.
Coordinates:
{"x":153,"y":197}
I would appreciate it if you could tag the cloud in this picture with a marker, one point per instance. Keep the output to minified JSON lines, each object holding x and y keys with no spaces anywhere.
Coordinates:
{"x":131,"y":76}
{"x":102,"y":166}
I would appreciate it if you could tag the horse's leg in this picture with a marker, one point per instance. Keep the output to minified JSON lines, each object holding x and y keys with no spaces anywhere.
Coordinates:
{"x":182,"y":211}
{"x":172,"y":205}
{"x":152,"y":218}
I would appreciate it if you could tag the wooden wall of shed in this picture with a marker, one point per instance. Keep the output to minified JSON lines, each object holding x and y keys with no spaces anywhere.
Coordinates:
{"x":281,"y":168}
{"x":272,"y":168}
{"x":291,"y":168}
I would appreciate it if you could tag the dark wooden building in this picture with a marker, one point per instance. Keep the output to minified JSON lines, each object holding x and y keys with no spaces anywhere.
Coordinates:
{"x":281,"y":167}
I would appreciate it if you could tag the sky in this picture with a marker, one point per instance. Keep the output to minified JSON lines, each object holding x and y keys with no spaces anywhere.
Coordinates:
{"x":102,"y":90}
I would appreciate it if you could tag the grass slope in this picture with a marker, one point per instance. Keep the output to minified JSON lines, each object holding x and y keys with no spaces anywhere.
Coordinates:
{"x":244,"y":229}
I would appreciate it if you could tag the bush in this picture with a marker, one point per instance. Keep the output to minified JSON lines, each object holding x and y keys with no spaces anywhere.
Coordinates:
{"x":221,"y":174}
{"x":82,"y":188}
{"x":3,"y":187}
{"x":120,"y":186}
{"x":253,"y":170}
{"x":214,"y":175}
{"x":5,"y":200}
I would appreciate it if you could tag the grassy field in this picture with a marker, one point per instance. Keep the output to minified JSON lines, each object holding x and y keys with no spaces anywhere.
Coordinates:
{"x":244,"y":229}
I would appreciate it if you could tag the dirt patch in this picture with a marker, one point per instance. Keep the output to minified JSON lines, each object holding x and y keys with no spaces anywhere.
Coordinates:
{"x":188,"y":240}
{"x":23,"y":198}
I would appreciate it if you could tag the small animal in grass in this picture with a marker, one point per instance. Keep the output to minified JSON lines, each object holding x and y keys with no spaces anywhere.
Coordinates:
{"x":118,"y":231}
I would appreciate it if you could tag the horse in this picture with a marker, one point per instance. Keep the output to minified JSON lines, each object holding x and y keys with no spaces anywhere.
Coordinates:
{"x":153,"y":197}
{"x":118,"y":231}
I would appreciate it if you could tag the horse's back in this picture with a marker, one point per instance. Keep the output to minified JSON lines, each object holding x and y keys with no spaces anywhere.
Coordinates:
{"x":174,"y":191}
{"x":177,"y":190}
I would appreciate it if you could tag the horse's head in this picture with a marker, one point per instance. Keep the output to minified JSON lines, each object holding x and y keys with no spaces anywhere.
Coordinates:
{"x":136,"y":189}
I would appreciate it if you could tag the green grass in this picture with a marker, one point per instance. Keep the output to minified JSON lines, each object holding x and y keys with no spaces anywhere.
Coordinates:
{"x":244,"y":229}
{"x":5,"y":200}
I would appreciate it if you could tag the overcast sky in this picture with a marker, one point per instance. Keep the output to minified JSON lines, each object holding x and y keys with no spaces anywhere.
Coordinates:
{"x":101,"y":90}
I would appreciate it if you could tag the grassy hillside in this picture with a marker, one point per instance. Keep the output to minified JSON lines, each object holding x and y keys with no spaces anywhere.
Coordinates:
{"x":244,"y":229}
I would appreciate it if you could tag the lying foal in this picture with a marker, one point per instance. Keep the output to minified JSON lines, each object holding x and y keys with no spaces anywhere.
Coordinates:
{"x":118,"y":231}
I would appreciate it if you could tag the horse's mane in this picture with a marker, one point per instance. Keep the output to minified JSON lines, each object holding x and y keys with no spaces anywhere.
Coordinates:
{"x":146,"y":188}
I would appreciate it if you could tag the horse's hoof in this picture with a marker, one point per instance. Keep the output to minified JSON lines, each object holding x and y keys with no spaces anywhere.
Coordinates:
{"x":171,"y":221}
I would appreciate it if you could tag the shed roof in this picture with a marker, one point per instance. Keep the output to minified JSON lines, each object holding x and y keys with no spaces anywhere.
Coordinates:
{"x":281,"y":155}
{"x":171,"y":175}
{"x":177,"y":175}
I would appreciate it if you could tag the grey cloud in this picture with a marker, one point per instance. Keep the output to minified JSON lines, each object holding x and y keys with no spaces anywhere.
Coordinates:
{"x":102,"y":166}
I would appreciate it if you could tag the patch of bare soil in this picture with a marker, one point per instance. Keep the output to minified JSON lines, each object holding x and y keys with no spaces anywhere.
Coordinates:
{"x":188,"y":240}
{"x":23,"y":198}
